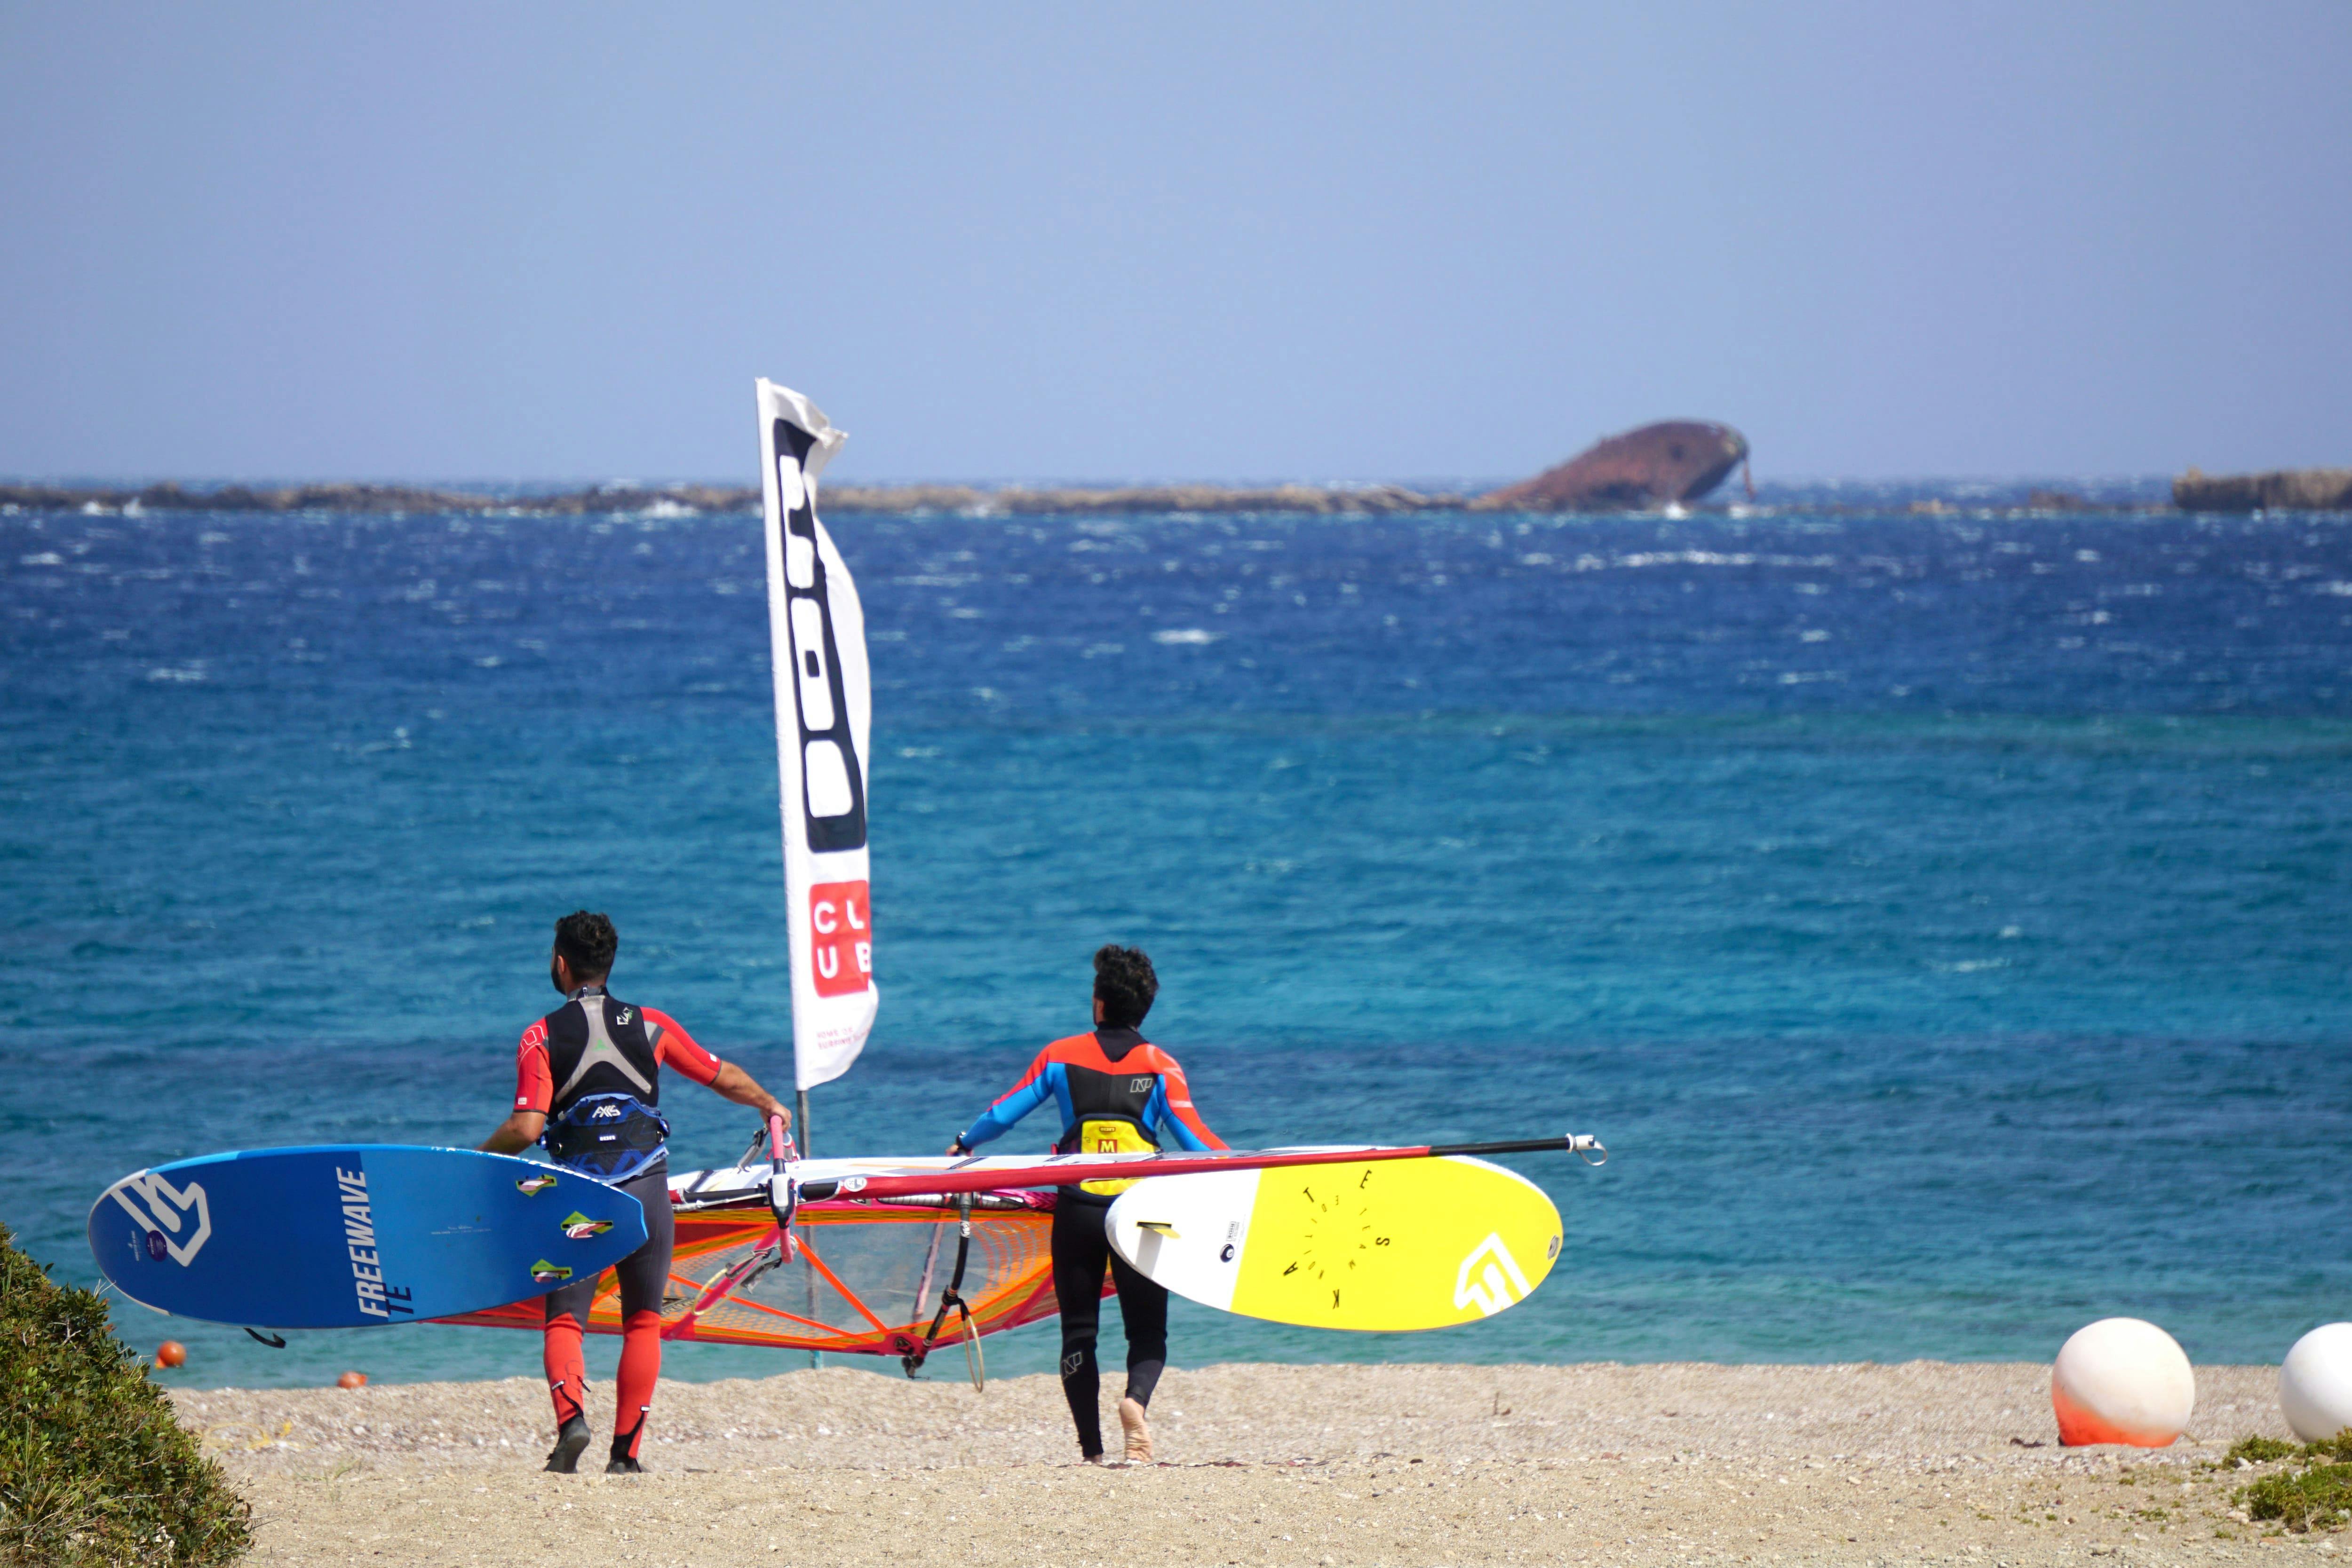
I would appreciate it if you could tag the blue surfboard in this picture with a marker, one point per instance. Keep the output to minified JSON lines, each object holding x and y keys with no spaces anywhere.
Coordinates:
{"x":354,"y":1235}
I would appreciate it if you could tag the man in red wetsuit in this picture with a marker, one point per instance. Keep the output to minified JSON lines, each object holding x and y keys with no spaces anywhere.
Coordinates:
{"x":588,"y":1076}
{"x":1113,"y":1089}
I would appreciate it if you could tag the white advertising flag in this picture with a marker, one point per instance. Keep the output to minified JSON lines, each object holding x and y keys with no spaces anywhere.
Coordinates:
{"x":824,"y":709}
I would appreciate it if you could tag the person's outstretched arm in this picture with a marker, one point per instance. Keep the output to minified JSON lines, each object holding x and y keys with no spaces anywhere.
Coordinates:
{"x":673,"y":1047}
{"x":1171,"y":1104}
{"x":1035,"y":1089}
{"x":733,"y":1084}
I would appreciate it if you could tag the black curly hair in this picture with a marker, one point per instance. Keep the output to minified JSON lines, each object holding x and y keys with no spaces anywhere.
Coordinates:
{"x":1125,"y":984}
{"x":586,"y":942}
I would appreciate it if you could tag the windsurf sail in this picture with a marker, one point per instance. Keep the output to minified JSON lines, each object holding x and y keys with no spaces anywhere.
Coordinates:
{"x":864,"y":1279}
{"x":816,"y":632}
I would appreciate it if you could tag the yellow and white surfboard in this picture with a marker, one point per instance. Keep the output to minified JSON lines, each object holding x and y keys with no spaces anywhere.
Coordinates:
{"x":1388,"y":1245}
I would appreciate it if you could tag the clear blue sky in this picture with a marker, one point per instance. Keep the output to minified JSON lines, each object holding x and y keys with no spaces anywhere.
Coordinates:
{"x":1201,"y":241}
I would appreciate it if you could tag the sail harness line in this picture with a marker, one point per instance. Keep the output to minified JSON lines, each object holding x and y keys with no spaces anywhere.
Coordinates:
{"x":952,"y":1298}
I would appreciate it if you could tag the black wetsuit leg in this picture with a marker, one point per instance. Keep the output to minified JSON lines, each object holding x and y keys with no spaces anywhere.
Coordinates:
{"x":1080,"y":1248}
{"x":645,"y":1273}
{"x":1143,"y":1312}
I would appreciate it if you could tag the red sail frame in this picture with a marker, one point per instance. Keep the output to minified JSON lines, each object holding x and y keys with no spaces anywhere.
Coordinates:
{"x":877,"y":1266}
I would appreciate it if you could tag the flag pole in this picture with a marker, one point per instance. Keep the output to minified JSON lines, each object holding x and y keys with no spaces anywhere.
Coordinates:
{"x":800,"y":1126}
{"x":816,"y":635}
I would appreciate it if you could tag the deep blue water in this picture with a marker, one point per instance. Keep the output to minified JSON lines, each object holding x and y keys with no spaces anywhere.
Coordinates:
{"x":1945,"y":920}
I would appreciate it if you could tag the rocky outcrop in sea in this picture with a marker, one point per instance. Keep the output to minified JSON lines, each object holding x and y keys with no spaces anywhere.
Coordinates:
{"x":2282,"y":490}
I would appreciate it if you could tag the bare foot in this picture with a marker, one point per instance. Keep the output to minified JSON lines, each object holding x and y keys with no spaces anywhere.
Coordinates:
{"x":1139,"y":1432}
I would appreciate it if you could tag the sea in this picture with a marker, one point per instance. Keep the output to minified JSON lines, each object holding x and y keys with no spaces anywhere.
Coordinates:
{"x":1943,"y":913}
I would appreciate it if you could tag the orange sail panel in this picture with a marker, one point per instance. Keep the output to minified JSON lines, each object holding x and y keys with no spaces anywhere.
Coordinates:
{"x":878,"y":1269}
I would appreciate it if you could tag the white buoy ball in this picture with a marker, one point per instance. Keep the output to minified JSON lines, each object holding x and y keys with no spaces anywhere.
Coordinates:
{"x":2315,"y":1383}
{"x":2121,"y":1380}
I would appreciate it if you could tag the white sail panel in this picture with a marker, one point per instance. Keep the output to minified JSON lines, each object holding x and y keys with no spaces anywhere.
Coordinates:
{"x":816,"y":633}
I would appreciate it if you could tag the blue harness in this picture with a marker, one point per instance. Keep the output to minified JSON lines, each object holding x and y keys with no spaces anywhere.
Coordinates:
{"x":610,"y":1137}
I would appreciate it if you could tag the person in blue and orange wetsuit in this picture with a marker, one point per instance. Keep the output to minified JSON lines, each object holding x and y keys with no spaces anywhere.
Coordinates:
{"x":1112,"y":1087}
{"x":587,"y":1082}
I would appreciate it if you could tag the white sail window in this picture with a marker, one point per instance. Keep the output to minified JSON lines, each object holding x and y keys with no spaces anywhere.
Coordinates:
{"x":791,"y":491}
{"x":829,"y":779}
{"x":808,"y":662}
{"x":799,"y":561}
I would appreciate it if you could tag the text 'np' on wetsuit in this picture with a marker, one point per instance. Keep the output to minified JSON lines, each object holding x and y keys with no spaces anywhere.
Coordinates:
{"x":1113,"y":1088}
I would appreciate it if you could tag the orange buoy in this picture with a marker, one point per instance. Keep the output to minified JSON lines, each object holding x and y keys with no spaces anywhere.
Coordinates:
{"x":352,"y":1380}
{"x":171,"y":1353}
{"x":2122,"y":1380}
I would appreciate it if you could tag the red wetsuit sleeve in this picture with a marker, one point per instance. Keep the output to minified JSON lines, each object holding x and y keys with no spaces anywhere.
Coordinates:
{"x":1180,"y":1103}
{"x":534,"y":1080}
{"x":673,"y":1047}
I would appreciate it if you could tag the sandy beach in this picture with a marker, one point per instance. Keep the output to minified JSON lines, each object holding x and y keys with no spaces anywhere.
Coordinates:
{"x":1321,"y":1465}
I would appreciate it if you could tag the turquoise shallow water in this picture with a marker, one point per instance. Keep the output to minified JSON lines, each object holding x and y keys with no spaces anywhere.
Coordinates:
{"x":1944,"y":920}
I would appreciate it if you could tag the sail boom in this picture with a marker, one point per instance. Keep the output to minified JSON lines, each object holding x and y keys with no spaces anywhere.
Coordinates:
{"x":1068,"y":1170}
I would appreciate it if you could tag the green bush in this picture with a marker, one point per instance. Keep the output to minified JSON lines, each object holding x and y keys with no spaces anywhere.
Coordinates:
{"x":95,"y":1469}
{"x":2259,"y":1450}
{"x":2313,"y":1498}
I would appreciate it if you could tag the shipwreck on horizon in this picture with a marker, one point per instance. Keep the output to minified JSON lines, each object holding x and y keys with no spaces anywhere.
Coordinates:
{"x":1674,"y":461}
